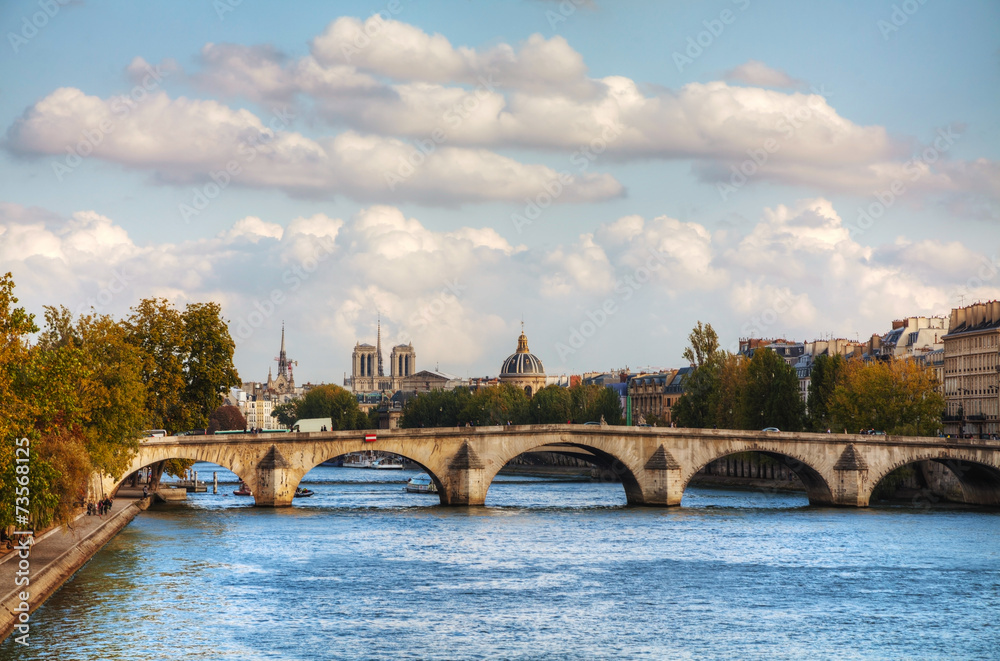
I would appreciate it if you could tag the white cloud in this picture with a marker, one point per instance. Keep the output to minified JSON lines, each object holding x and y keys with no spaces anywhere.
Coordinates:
{"x":185,"y":141}
{"x":754,"y":72}
{"x":459,"y":294}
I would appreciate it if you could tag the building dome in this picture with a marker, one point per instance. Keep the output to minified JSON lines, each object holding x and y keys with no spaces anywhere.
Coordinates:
{"x":522,"y":362}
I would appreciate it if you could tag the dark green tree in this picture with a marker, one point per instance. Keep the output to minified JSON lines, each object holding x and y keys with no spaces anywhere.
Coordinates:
{"x":591,"y":402}
{"x":286,"y":414}
{"x":437,"y":408}
{"x":825,"y":374}
{"x":498,"y":405}
{"x":332,"y":402}
{"x":208,"y":366}
{"x":551,"y":405}
{"x":771,"y":395}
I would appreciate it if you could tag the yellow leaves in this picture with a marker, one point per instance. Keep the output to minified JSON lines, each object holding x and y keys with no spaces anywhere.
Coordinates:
{"x":897,"y":397}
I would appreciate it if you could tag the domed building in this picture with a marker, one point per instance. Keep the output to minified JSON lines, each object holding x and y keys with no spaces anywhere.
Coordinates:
{"x":523,"y":368}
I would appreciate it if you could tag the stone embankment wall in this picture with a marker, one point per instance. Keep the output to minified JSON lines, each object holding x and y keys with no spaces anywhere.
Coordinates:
{"x":50,"y":576}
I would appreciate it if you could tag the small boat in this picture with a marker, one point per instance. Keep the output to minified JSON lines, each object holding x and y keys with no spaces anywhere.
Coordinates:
{"x":244,"y":490}
{"x":303,"y":493}
{"x":421,"y":484}
{"x":386,"y":463}
{"x":357,"y":461}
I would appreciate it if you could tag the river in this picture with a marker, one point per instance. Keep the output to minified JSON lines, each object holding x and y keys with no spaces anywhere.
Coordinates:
{"x":362,"y":570}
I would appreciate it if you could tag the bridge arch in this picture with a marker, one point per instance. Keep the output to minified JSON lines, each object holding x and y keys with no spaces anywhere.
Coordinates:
{"x":978,"y":478}
{"x":817,"y":486}
{"x":605,"y":456}
{"x":146,"y":458}
{"x":338,"y":451}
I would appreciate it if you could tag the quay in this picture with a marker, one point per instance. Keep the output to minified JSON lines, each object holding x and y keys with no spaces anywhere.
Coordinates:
{"x":59,"y":553}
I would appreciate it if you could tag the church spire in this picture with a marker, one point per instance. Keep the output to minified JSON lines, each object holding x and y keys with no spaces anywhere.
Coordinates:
{"x":378,"y":346}
{"x":282,"y":357}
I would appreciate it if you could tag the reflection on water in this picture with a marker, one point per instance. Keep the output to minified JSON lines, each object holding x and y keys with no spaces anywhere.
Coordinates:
{"x":547,"y":570}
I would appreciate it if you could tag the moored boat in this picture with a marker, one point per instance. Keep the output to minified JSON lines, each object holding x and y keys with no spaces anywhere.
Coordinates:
{"x":386,"y":463}
{"x":421,"y":483}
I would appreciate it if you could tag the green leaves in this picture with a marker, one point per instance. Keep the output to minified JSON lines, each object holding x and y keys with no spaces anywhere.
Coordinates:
{"x":332,"y":402}
{"x":728,"y":391}
{"x":84,"y":392}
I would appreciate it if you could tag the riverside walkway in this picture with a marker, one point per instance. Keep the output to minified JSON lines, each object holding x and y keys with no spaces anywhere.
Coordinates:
{"x":56,"y":555}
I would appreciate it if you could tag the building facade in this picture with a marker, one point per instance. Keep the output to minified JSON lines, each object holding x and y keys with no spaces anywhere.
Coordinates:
{"x":368,"y":372}
{"x":972,"y":370}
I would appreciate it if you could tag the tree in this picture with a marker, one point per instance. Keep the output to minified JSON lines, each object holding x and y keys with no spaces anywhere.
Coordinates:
{"x":898,"y":397}
{"x":704,"y":345}
{"x":498,"y":405}
{"x":724,"y":401}
{"x":332,"y":402}
{"x":157,"y":329}
{"x":286,"y":414}
{"x":698,"y":406}
{"x":188,"y":361}
{"x":226,"y":418}
{"x":592,"y":402}
{"x":208,"y":361}
{"x":551,"y":405}
{"x":437,"y":408}
{"x":822,"y":382}
{"x":771,"y":396}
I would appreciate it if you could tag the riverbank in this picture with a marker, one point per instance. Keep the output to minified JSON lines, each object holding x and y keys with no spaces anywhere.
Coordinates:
{"x":57,"y":555}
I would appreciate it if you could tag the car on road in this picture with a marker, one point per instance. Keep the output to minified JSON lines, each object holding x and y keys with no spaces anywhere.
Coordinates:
{"x":770,"y":429}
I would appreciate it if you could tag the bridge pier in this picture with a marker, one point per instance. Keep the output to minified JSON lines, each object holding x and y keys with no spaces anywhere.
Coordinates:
{"x":659,"y":481}
{"x":274,"y":480}
{"x":466,"y":480}
{"x":850,"y":480}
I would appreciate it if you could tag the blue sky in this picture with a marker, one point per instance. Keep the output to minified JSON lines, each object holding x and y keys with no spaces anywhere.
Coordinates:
{"x":442,"y":254}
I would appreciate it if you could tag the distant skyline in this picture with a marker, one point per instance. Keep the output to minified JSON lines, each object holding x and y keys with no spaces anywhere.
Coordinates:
{"x":610,"y":173}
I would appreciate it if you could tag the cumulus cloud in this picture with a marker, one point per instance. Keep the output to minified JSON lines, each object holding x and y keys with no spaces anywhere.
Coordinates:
{"x":754,"y":72}
{"x":185,"y":141}
{"x":458,"y":294}
{"x":390,"y":82}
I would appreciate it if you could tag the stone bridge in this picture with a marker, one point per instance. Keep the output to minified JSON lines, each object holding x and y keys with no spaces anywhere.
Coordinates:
{"x":654,"y":464}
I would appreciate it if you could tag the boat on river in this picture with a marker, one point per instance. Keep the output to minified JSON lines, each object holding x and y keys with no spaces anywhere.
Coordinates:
{"x":301,"y":492}
{"x":421,"y":483}
{"x":386,"y":463}
{"x":358,"y":460}
{"x":244,"y":490}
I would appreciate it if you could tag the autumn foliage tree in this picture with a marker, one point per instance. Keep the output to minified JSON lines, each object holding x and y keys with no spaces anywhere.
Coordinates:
{"x":226,"y":418}
{"x":82,"y":393}
{"x":898,"y":397}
